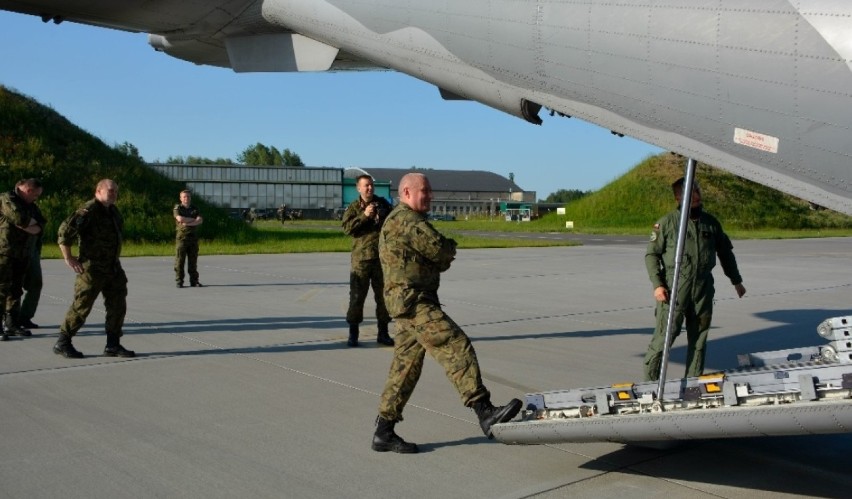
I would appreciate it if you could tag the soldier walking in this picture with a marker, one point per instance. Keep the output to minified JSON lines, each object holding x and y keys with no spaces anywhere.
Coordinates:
{"x":413,"y":255}
{"x":97,"y":226}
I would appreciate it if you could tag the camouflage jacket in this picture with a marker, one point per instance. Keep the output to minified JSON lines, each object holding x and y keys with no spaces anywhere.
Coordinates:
{"x":365,"y":230}
{"x":185,"y":232}
{"x":14,"y":214}
{"x":413,"y":255}
{"x":98,"y":230}
{"x":705,"y":239}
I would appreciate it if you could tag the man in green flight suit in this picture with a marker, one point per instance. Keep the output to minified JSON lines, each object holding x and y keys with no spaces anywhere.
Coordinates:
{"x":705,"y":239}
{"x":187,"y":220}
{"x":413,"y":255}
{"x":363,"y":220}
{"x":97,"y":226}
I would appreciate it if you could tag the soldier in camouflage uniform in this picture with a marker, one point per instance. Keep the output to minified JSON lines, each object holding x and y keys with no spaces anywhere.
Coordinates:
{"x":363,"y":220}
{"x":19,"y":220}
{"x":187,"y":218}
{"x":705,"y":239}
{"x":413,"y":255}
{"x":97,"y":226}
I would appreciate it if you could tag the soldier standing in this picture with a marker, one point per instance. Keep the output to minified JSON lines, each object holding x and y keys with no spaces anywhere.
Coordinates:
{"x":363,"y":220}
{"x":33,"y":281}
{"x":187,"y":218}
{"x":694,"y":303}
{"x":19,"y":220}
{"x":413,"y":255}
{"x":97,"y":226}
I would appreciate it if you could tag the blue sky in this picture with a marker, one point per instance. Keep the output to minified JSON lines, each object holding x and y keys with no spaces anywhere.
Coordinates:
{"x":115,"y":86}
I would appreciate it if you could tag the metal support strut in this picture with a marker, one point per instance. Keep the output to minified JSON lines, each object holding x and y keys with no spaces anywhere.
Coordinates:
{"x":685,"y":203}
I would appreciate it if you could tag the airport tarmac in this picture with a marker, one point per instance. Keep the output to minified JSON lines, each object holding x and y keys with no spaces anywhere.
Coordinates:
{"x":245,"y":387}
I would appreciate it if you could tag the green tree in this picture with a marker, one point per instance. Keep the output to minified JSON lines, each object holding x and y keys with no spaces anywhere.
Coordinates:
{"x":256,"y":155}
{"x":128,"y":150}
{"x":197,"y":160}
{"x":263,"y":155}
{"x":291,"y":158}
{"x":566,"y":195}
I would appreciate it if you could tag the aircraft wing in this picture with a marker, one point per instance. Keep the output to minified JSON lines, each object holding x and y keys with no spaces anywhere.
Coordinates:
{"x":763,"y":90}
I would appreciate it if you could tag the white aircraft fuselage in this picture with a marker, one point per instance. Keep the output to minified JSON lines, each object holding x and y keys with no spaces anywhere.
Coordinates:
{"x":762,"y":89}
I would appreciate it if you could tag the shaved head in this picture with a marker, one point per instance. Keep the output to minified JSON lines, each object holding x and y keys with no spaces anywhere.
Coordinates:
{"x":416,"y":192}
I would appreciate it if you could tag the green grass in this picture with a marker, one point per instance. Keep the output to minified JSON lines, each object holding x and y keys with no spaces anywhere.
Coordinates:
{"x":273,"y":238}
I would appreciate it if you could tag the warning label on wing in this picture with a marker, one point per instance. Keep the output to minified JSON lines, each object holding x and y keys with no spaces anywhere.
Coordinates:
{"x":756,"y":140}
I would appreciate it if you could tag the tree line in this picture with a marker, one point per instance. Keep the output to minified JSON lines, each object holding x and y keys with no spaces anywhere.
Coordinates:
{"x":254,"y":155}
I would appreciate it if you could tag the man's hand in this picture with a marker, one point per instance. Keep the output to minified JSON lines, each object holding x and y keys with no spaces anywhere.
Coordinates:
{"x":70,"y":260}
{"x":740,"y":289}
{"x":74,"y":264}
{"x":661,"y":294}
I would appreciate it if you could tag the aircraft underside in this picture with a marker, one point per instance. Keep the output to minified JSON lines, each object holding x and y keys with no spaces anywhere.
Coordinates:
{"x":787,"y":392}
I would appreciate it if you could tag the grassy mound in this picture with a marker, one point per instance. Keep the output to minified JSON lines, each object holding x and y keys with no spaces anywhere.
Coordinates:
{"x":36,"y":141}
{"x":643,"y":195}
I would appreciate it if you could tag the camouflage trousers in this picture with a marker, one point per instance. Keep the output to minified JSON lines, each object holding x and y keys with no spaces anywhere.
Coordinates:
{"x":186,"y":251}
{"x":430,"y":330}
{"x":11,"y":287}
{"x":362,"y":274}
{"x":87,"y":287}
{"x":697,"y":318}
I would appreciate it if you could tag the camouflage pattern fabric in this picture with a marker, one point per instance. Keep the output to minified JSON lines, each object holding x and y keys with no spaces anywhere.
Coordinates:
{"x":365,"y":266}
{"x":413,"y":255}
{"x":98,"y":229}
{"x":365,"y":230}
{"x":87,"y":286}
{"x":186,"y":244}
{"x":185,"y":232}
{"x":14,"y":251}
{"x":15,"y":213}
{"x":430,"y":330}
{"x":361,"y":276}
{"x":705,"y":240}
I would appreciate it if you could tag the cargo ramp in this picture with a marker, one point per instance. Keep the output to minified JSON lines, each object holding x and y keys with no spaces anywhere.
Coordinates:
{"x":804,"y":391}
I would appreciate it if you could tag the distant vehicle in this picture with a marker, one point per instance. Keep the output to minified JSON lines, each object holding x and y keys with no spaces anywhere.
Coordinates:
{"x":442,"y":217}
{"x":266,"y":214}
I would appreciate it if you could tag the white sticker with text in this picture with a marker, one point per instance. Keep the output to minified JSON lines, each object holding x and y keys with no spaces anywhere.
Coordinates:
{"x":756,"y":140}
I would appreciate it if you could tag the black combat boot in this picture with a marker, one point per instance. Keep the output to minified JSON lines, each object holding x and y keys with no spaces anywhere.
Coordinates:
{"x":13,"y":326}
{"x":490,"y":415}
{"x":385,"y":439}
{"x":353,"y":335}
{"x":3,"y":335}
{"x":114,"y":349}
{"x":384,"y":338}
{"x":16,"y":330}
{"x":64,"y":348}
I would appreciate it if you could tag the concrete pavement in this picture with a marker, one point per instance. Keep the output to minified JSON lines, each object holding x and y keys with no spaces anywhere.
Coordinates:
{"x":245,"y":388}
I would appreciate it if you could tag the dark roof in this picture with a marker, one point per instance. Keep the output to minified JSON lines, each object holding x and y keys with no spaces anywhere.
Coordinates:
{"x":444,"y":180}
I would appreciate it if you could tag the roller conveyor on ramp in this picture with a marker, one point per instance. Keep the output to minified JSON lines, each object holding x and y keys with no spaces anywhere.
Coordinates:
{"x":803,"y":391}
